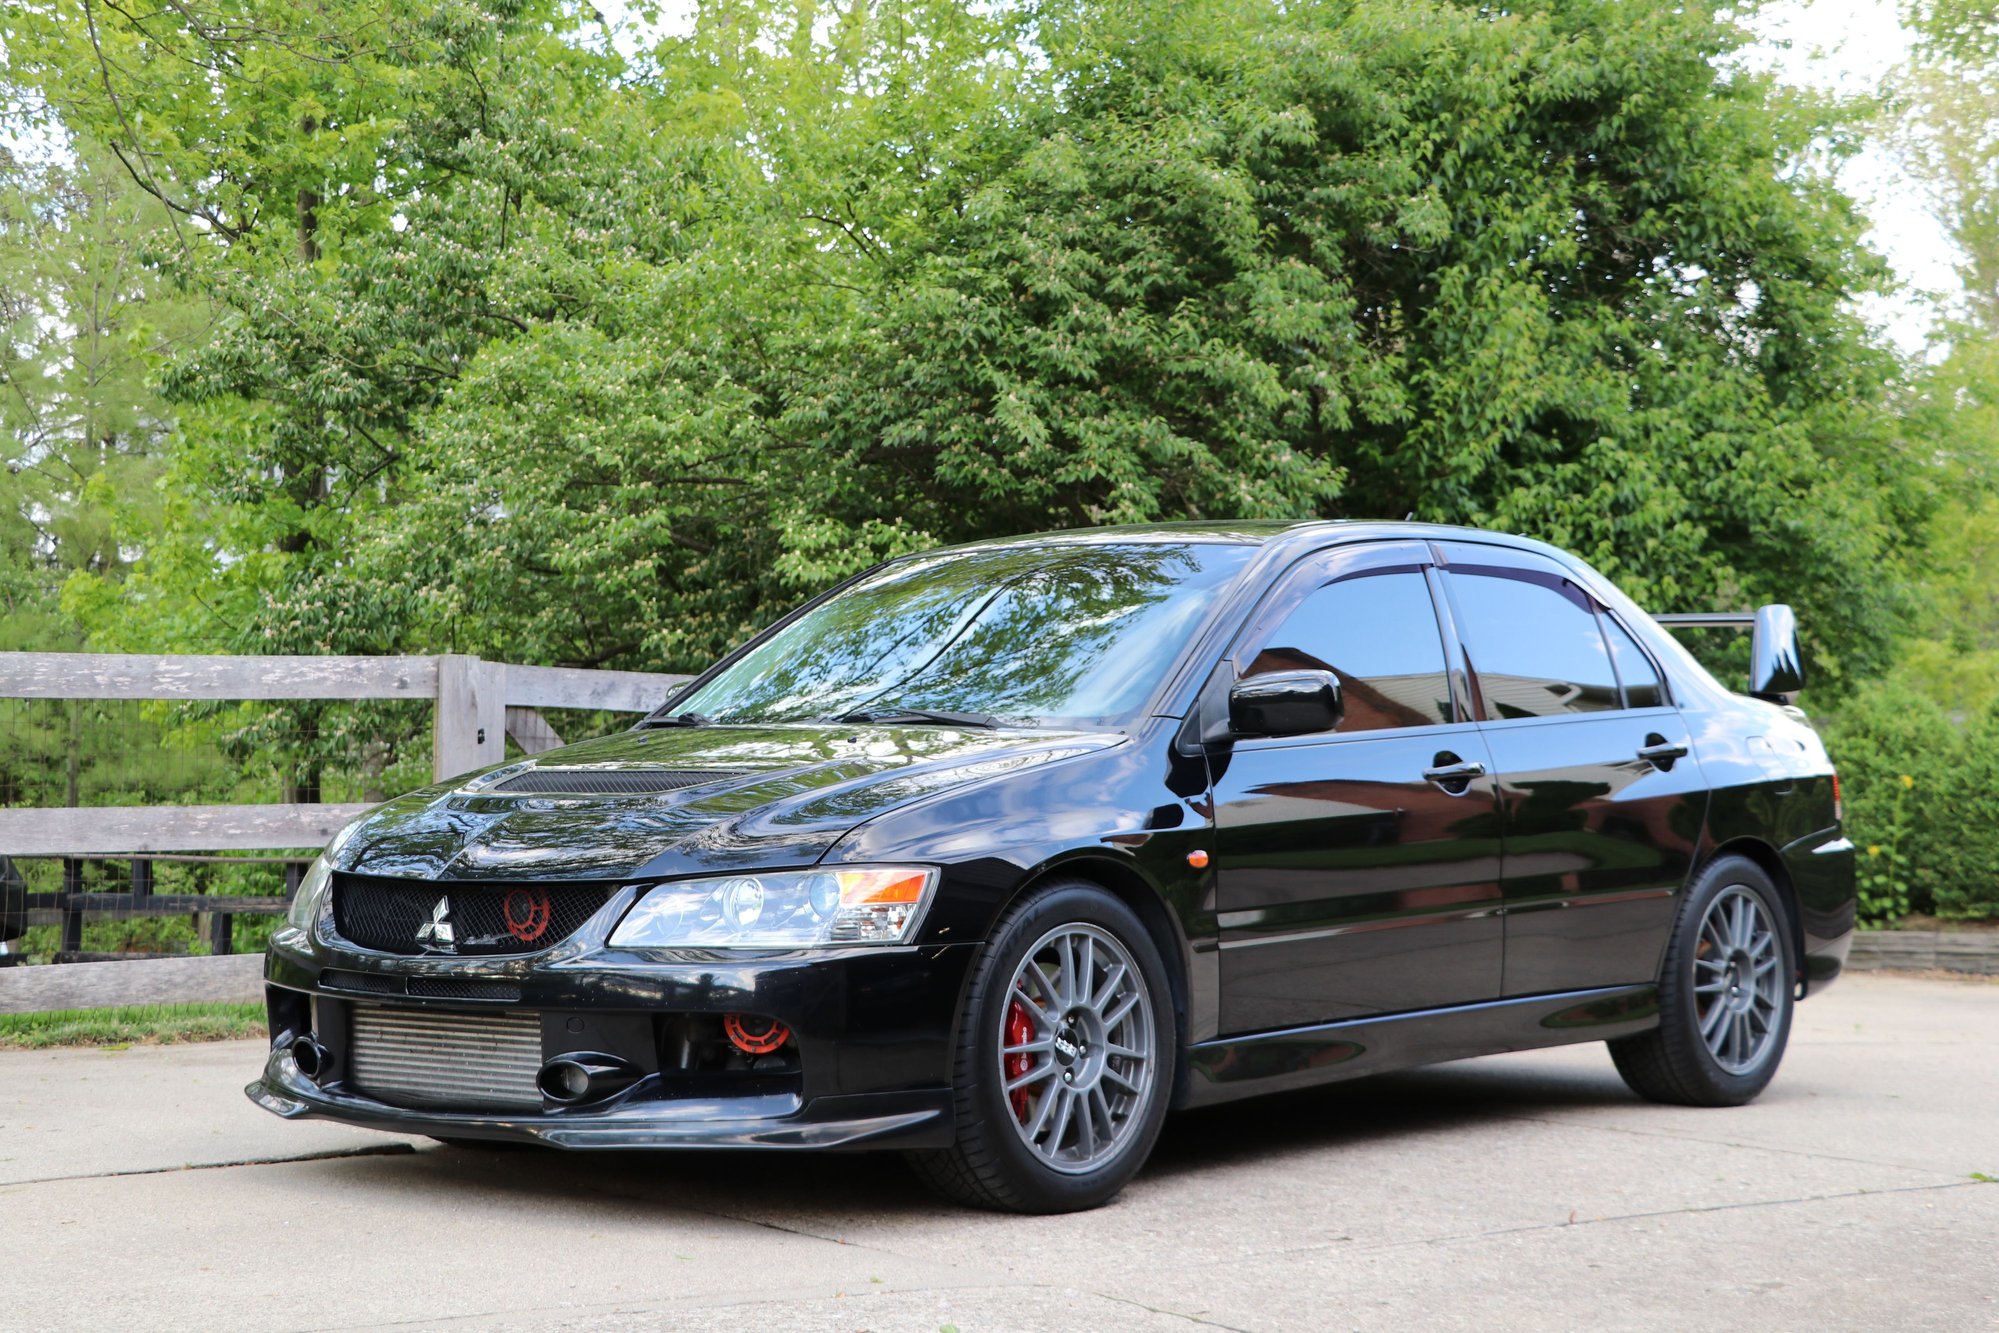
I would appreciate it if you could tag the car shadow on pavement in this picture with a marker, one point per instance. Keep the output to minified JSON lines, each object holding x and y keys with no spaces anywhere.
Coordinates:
{"x":1406,"y":1106}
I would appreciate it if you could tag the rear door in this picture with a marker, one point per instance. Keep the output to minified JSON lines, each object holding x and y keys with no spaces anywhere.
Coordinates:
{"x":1601,"y":796}
{"x":1357,"y":869}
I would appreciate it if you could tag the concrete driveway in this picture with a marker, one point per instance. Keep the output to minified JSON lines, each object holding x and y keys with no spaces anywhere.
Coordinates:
{"x":138,"y":1189}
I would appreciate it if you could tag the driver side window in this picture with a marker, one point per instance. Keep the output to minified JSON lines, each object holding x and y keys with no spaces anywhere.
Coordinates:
{"x":1377,"y":632}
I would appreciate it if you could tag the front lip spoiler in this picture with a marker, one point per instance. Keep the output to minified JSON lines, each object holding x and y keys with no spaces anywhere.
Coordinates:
{"x":916,"y":1119}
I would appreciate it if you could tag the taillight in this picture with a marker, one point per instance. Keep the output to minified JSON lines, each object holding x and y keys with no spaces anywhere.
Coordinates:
{"x":1838,"y":809}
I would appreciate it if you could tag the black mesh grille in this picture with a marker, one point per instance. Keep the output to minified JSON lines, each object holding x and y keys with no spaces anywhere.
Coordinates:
{"x":614,"y":781}
{"x":362,"y":981}
{"x":433,"y":988}
{"x":463,"y":988}
{"x":418,"y":916}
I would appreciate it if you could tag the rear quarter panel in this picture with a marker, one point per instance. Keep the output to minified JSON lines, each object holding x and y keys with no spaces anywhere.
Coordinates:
{"x":1773,"y":789}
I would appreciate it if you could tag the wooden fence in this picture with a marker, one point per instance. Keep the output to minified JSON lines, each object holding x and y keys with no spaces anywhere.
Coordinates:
{"x":478,"y":705}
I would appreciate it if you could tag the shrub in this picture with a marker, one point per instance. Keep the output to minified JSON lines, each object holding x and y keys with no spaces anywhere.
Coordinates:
{"x":1896,"y":751}
{"x":1962,"y":844}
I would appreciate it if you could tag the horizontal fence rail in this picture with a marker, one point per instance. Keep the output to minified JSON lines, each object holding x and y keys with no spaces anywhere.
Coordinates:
{"x":136,"y":676}
{"x":114,"y":830}
{"x":478,"y":705}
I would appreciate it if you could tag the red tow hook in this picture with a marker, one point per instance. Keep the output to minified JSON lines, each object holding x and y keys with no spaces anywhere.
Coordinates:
{"x":1019,"y":1031}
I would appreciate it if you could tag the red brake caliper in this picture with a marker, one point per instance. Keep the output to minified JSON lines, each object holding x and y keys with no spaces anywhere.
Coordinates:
{"x":1019,"y":1031}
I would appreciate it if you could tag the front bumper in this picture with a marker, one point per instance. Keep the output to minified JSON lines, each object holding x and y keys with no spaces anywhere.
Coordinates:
{"x":873,"y":1036}
{"x":916,"y":1119}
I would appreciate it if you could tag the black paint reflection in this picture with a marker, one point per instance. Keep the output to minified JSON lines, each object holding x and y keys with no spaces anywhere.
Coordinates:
{"x":1351,"y":885}
{"x":1597,"y":842}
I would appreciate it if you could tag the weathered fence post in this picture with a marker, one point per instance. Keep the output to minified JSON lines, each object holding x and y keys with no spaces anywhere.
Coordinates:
{"x":71,"y":940}
{"x":470,"y":728}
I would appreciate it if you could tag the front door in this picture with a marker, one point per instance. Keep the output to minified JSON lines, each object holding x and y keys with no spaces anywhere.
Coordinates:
{"x":1601,"y":793}
{"x":1357,"y":869}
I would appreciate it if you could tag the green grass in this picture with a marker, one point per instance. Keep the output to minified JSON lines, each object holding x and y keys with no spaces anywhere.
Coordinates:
{"x":131,"y":1025}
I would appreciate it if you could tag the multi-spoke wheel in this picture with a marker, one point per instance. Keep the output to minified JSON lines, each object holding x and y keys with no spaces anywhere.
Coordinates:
{"x":1738,"y":983}
{"x":1725,"y":995}
{"x":1076,"y":1050}
{"x":1064,"y":1053}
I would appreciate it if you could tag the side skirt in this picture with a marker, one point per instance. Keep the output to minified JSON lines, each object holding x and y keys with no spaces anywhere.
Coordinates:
{"x":1233,"y":1067}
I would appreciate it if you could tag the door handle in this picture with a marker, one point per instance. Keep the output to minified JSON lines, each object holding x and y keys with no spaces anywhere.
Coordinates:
{"x":1660,"y":752}
{"x":1455,"y":771}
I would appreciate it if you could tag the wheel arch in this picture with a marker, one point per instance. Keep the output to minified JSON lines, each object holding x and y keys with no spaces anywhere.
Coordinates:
{"x":1130,"y":886}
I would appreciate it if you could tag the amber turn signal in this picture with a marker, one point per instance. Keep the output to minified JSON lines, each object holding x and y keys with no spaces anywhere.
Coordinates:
{"x":882,"y":886}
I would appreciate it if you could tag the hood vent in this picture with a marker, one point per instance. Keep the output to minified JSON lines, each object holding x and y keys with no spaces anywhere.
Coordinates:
{"x":614,"y":781}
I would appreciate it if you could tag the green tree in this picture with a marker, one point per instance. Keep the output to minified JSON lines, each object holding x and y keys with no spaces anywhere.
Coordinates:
{"x":1552,"y":270}
{"x":535,"y":348}
{"x":1946,"y":102}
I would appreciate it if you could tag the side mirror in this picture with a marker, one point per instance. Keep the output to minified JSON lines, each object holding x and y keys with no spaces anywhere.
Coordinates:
{"x":1285,"y":703}
{"x":1775,"y":671}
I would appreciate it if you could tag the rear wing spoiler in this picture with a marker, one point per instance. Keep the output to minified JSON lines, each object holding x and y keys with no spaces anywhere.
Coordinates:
{"x":1776,"y":672}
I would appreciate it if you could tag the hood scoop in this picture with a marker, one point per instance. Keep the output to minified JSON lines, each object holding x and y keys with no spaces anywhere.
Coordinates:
{"x":614,"y":781}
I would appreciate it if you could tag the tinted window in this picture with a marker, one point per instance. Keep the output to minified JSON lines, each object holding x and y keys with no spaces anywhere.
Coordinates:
{"x":1534,"y":644}
{"x":1076,"y":632}
{"x":1634,"y":670}
{"x":1378,"y":634}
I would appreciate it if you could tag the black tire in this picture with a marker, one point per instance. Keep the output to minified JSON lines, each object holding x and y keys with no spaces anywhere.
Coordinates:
{"x":991,"y":1165}
{"x":1674,"y":1062}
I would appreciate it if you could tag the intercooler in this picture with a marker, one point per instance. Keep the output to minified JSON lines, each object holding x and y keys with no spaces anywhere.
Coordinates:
{"x":441,"y":1061}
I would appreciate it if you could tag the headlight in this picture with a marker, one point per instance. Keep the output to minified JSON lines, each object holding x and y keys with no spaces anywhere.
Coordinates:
{"x":311,"y":893}
{"x":312,"y":889}
{"x":786,"y":909}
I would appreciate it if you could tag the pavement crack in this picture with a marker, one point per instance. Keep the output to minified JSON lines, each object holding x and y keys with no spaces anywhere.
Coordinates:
{"x":1154,"y":1309}
{"x":331,"y":1154}
{"x":1691,"y":1210}
{"x":1566,"y":1123}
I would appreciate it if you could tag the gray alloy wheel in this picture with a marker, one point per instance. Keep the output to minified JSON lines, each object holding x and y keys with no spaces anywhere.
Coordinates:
{"x":1725,"y":994}
{"x":1075,"y":1048}
{"x":1064,"y":1056}
{"x":1738,"y":980}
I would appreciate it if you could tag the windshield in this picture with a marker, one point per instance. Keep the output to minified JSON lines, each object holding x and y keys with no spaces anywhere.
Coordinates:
{"x":1077,"y":634}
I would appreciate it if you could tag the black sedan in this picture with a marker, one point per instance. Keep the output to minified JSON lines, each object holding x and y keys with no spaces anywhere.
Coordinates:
{"x":996,"y":854}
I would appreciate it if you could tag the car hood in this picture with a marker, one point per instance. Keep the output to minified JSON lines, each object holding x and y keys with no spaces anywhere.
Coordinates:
{"x":714,"y":799}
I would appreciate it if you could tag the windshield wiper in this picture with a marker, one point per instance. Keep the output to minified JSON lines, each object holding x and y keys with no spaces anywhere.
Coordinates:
{"x":680,"y":720}
{"x":919,"y":715}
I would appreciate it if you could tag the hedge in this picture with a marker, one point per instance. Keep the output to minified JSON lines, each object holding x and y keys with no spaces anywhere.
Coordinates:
{"x":1922,"y":803}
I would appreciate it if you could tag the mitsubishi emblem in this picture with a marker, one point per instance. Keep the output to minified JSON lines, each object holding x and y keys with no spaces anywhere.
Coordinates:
{"x":437,"y":930}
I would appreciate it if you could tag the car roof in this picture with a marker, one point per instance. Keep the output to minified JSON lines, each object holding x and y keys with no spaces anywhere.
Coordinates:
{"x":1264,"y":532}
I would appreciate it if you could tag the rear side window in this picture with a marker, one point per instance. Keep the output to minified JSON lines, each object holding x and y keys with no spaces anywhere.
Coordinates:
{"x":1634,"y":670}
{"x":1378,"y":633}
{"x":1535,"y":643}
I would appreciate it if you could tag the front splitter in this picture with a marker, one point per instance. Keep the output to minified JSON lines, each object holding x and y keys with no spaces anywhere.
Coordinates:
{"x":915,"y":1119}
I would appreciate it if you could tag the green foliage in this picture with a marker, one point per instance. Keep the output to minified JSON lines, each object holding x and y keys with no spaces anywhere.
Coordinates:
{"x":1949,"y":102}
{"x":1919,"y":787}
{"x":532,"y":348}
{"x":1884,"y":877}
{"x":1531,"y":271}
{"x":1964,"y":861}
{"x":1893,"y":746}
